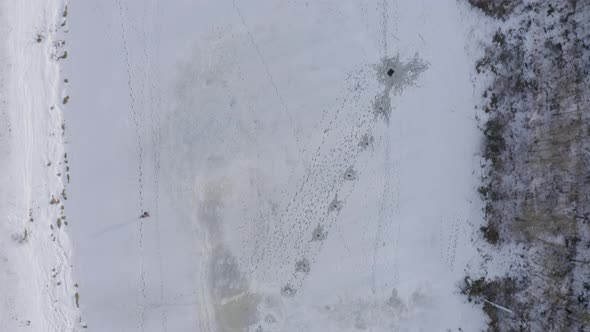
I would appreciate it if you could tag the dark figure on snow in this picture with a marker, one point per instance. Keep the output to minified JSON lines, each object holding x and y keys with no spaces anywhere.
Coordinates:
{"x":145,"y":215}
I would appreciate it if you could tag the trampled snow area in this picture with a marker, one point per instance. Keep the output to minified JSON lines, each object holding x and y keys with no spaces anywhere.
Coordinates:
{"x":307,"y":166}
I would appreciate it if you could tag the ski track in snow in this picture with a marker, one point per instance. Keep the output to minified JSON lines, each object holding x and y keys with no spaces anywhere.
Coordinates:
{"x":145,"y":94}
{"x":153,"y":102}
{"x":135,"y":117}
{"x":270,"y":78}
{"x":155,"y":106}
{"x":386,"y":214}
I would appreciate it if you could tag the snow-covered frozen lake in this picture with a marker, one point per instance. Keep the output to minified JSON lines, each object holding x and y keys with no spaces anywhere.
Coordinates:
{"x":306,"y":166}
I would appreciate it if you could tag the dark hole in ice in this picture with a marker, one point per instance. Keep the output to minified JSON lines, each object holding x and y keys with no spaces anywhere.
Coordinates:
{"x":390,"y":72}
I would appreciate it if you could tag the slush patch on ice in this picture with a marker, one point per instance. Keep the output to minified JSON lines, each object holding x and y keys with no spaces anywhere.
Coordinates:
{"x":238,"y":307}
{"x":238,"y":313}
{"x":226,"y":279}
{"x":210,"y":206}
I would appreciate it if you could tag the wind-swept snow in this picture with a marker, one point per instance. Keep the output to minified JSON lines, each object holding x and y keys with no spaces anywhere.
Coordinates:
{"x":37,"y":291}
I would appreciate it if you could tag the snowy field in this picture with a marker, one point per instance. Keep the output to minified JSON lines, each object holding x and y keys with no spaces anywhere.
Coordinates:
{"x":306,"y":166}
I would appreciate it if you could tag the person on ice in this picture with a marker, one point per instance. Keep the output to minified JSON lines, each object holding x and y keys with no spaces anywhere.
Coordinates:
{"x":145,"y":215}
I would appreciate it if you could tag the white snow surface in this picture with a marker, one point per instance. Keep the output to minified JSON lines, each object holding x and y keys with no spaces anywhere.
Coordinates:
{"x":37,"y":292}
{"x":292,"y":184}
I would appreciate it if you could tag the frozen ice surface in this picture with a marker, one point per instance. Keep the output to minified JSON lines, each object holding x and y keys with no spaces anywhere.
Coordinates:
{"x":306,"y":166}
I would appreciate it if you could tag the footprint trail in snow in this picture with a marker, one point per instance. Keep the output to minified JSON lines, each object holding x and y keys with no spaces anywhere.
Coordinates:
{"x":305,"y":222}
